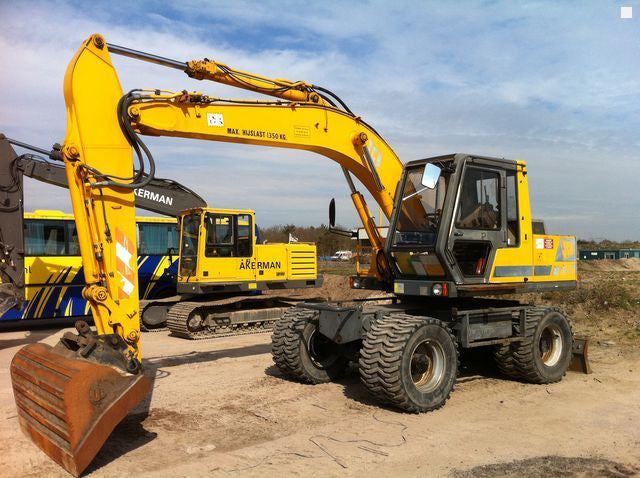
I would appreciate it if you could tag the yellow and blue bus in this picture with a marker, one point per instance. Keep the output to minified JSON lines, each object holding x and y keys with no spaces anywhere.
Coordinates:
{"x":53,"y":268}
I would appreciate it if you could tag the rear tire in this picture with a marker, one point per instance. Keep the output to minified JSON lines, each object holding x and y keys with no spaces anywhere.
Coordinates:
{"x":545,"y":353}
{"x":409,"y":362}
{"x":300,"y":351}
{"x":503,"y":356}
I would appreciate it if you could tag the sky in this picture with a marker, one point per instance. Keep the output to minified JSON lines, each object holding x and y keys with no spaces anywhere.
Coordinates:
{"x":556,"y":84}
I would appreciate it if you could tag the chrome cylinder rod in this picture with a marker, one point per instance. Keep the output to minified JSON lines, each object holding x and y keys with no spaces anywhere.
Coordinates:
{"x":20,"y":144}
{"x":140,"y":55}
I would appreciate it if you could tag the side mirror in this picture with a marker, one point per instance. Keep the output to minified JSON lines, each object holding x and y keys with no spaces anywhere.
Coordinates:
{"x":430,"y":176}
{"x":332,"y":221}
{"x":332,"y":213}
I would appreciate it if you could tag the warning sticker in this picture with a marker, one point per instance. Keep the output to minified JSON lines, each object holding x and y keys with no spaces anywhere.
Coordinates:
{"x":125,"y":250}
{"x":215,"y":119}
{"x":544,"y":243}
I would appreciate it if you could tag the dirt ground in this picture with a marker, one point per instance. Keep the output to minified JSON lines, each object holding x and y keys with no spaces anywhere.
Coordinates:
{"x":220,"y":408}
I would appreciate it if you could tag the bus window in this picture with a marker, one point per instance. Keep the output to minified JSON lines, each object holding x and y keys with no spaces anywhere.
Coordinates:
{"x":44,"y":238}
{"x":73,"y":246}
{"x":157,"y":238}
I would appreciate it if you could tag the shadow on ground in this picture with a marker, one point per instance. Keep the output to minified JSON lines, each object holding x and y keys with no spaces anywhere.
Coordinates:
{"x":29,"y":337}
{"x":131,"y":433}
{"x":475,"y":364}
{"x":207,"y":356}
{"x":545,"y":466}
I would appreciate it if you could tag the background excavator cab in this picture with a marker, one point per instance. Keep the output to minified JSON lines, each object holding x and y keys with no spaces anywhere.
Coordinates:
{"x":219,"y":251}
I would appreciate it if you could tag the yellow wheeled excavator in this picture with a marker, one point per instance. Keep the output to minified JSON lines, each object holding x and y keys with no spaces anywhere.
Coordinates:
{"x":460,"y":229}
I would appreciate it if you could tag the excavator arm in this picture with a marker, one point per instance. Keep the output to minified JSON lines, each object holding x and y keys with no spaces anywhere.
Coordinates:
{"x":97,"y":377}
{"x":305,"y":117}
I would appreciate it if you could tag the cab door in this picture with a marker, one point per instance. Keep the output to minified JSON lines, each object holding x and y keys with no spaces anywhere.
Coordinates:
{"x":228,"y":248}
{"x":479,"y":222}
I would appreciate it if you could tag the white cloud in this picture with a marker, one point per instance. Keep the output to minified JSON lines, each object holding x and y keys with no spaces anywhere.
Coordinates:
{"x":535,"y":81}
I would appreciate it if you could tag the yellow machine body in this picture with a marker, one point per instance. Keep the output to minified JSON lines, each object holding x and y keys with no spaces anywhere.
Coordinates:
{"x":220,"y":251}
{"x":538,"y":257}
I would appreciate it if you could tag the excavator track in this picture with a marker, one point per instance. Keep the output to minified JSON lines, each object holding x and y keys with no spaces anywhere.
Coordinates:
{"x":196,"y":320}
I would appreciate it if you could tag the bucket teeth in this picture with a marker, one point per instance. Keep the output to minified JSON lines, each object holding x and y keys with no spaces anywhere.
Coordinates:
{"x":68,"y":406}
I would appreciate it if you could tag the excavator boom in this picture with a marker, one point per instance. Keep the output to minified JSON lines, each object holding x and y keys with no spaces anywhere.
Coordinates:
{"x":70,"y":397}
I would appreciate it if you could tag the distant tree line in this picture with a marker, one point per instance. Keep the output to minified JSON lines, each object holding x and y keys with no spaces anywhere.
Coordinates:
{"x":607,"y":244}
{"x":326,"y":242}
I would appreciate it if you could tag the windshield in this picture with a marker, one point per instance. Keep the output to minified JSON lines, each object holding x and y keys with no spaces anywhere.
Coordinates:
{"x":189,"y":251}
{"x":420,"y":211}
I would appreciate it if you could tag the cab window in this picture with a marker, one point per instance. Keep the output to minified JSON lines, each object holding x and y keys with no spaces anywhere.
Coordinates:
{"x":479,"y":206}
{"x":73,"y":245}
{"x":513,"y":219}
{"x":220,"y":237}
{"x":228,"y":235}
{"x":244,"y":235}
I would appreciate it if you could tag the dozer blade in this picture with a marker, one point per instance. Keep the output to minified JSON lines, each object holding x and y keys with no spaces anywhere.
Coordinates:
{"x":580,"y":359}
{"x":68,"y":405}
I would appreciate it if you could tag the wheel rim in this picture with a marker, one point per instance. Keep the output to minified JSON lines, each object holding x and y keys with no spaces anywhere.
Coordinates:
{"x":427,"y":365}
{"x":320,"y":350}
{"x":551,"y":345}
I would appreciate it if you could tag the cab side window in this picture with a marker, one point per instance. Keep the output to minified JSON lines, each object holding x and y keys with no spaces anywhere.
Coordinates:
{"x":479,"y":206}
{"x":220,"y":238}
{"x":244,"y":235}
{"x":513,"y":219}
{"x":157,"y":238}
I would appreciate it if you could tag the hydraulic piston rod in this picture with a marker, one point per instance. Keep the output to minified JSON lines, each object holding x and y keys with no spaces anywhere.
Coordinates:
{"x":140,"y":55}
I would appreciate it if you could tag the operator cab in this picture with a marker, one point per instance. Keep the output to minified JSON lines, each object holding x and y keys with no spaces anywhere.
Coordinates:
{"x":223,"y":233}
{"x":451,"y":216}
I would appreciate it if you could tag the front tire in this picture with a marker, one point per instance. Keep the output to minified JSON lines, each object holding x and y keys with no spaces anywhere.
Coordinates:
{"x":409,"y":362}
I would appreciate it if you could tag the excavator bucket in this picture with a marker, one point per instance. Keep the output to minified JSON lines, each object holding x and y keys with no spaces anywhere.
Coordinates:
{"x":68,"y":405}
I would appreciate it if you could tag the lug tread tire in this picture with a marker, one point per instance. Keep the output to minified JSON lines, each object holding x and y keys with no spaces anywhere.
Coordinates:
{"x":381,"y":359}
{"x":505,"y":361}
{"x":288,"y":346}
{"x":278,"y":338}
{"x":517,"y":360}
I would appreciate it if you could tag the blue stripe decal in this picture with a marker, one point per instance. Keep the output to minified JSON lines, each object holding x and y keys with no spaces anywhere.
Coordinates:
{"x":73,"y":294}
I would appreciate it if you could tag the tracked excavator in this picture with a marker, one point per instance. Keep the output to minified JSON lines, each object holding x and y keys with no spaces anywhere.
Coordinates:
{"x":460,"y":233}
{"x":224,"y":303}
